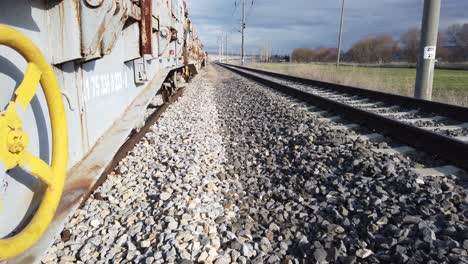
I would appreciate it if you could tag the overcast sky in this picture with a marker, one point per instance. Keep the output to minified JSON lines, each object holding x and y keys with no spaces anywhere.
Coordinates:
{"x":285,"y":25}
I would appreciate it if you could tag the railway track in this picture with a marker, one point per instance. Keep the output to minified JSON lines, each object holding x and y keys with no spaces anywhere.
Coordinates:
{"x":436,"y":128}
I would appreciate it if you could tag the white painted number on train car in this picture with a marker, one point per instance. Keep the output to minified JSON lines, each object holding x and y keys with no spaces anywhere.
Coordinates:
{"x":103,"y":84}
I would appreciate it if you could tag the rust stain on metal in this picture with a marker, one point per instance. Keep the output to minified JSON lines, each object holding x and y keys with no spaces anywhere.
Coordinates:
{"x":101,"y":31}
{"x":135,"y":11}
{"x":117,"y":8}
{"x":174,"y":33}
{"x":146,"y":26}
{"x":77,"y":7}
{"x":82,"y":111}
{"x":29,"y":259}
{"x":62,"y":20}
{"x":72,"y":195}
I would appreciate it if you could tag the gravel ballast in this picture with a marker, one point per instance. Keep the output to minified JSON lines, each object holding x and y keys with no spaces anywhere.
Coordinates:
{"x":236,"y":173}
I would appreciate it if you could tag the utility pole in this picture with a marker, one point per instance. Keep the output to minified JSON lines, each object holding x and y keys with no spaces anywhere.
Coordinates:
{"x":427,"y":50}
{"x":222,"y":46}
{"x":340,"y":34}
{"x":227,"y":51}
{"x":243,"y":32}
{"x":219,"y":49}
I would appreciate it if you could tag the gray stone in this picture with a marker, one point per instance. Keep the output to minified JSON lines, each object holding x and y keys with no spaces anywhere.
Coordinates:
{"x":409,"y":219}
{"x":203,"y":256}
{"x":172,"y":225}
{"x":169,"y":254}
{"x":235,"y":255}
{"x":273,"y":227}
{"x":245,"y":250}
{"x":145,"y":244}
{"x":364,"y":253}
{"x":122,"y":240}
{"x":320,"y":255}
{"x":165,"y":196}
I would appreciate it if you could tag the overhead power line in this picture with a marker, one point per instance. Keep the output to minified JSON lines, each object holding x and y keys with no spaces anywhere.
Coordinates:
{"x":251,"y":8}
{"x":243,"y":32}
{"x":235,"y":9}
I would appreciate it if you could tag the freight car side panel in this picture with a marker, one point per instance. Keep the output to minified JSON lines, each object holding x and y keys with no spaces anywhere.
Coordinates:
{"x":102,"y":77}
{"x":69,"y":78}
{"x":108,"y":88}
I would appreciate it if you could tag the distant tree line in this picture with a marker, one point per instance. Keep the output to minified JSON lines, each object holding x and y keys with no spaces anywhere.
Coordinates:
{"x":379,"y":49}
{"x":452,"y":46}
{"x":318,"y":55}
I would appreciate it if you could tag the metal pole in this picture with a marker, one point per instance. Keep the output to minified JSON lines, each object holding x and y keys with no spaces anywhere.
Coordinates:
{"x":427,"y":50}
{"x":227,"y":52}
{"x":222,"y":47}
{"x":340,"y":34}
{"x":219,"y":49}
{"x":243,"y":31}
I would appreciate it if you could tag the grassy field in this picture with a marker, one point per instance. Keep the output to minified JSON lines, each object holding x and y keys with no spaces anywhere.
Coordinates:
{"x":450,"y":86}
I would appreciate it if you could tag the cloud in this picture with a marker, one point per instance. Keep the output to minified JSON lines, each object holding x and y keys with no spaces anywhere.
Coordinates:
{"x":285,"y":25}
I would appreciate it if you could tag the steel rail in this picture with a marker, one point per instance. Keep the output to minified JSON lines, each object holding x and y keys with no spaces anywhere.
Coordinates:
{"x":444,"y":147}
{"x":455,"y":112}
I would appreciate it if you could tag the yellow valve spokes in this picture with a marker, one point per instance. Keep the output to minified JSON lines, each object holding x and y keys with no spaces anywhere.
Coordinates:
{"x":27,"y":89}
{"x":13,"y":152}
{"x":36,"y":167}
{"x":23,"y":96}
{"x":11,"y":127}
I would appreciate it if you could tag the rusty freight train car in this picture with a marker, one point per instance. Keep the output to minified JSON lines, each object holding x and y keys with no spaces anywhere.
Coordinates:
{"x":77,"y":77}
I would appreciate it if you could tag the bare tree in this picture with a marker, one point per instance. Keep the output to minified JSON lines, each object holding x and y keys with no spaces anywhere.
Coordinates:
{"x":410,"y":44}
{"x":265,"y":54}
{"x":442,"y":51}
{"x":317,"y":55}
{"x":302,"y":55}
{"x":457,"y":39}
{"x":378,"y":49}
{"x":325,"y":54}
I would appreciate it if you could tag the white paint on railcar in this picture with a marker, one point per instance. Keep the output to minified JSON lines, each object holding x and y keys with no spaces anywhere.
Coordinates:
{"x":99,"y":85}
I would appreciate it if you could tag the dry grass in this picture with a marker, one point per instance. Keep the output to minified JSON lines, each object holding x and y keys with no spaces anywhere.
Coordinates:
{"x":450,"y":86}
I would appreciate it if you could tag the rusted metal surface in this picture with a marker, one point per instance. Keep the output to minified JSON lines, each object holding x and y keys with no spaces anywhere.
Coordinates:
{"x":165,"y":35}
{"x":146,"y":26}
{"x":93,"y":25}
{"x":135,"y":12}
{"x":65,"y":31}
{"x":132,"y":42}
{"x":114,"y":25}
{"x":89,"y":29}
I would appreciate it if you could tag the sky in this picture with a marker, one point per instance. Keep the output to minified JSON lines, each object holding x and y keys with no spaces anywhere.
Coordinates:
{"x":285,"y":25}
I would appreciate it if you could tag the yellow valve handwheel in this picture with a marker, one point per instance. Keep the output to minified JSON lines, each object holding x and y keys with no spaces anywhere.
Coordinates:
{"x":14,"y":140}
